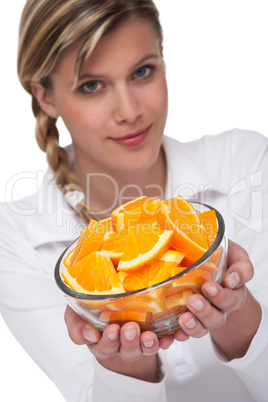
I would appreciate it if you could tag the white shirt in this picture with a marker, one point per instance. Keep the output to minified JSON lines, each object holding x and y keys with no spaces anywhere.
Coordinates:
{"x":228,"y":171}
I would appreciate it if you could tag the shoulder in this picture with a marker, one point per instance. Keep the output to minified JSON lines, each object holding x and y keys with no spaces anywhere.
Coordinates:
{"x":13,"y":214}
{"x":235,"y":147}
{"x":236,"y":139}
{"x":229,"y":139}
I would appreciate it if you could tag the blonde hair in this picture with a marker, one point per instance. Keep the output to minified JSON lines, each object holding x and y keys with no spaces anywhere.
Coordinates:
{"x":47,"y":27}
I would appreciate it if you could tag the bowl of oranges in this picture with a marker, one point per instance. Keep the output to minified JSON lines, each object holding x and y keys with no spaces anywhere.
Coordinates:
{"x":143,"y":262}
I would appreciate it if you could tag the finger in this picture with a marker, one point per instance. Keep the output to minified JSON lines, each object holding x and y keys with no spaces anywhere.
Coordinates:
{"x":240,"y":269}
{"x":202,"y":316}
{"x":211,"y":315}
{"x":180,"y":335}
{"x":205,"y":312}
{"x":149,"y":343}
{"x":224,"y":299}
{"x":191,"y":326}
{"x":108,"y":344}
{"x":75,"y":326}
{"x":130,"y":348}
{"x":166,"y":341}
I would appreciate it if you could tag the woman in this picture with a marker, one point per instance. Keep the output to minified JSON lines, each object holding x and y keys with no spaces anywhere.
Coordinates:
{"x":98,"y":66}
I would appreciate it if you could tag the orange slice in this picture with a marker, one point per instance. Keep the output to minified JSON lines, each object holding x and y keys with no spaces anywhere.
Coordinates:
{"x":149,"y":275}
{"x":189,"y":237}
{"x":89,"y":241}
{"x":135,"y":211}
{"x":178,"y":299}
{"x":172,"y":256}
{"x":142,"y":317}
{"x":145,"y":243}
{"x":210,"y":267}
{"x":68,"y":258}
{"x":107,"y":223}
{"x":165,"y":270}
{"x":152,"y":301}
{"x":135,"y":280}
{"x":94,"y":274}
{"x":193,"y":279}
{"x":208,"y":220}
{"x":114,"y":243}
{"x":184,"y":216}
{"x":181,"y":209}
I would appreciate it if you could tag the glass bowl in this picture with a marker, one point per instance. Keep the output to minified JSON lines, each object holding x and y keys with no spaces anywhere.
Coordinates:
{"x":155,"y":308}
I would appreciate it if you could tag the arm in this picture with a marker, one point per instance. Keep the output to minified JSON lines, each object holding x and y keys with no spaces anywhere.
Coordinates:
{"x":233,"y":315}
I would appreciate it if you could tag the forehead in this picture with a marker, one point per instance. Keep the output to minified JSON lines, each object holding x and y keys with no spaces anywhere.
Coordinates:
{"x":129,"y":42}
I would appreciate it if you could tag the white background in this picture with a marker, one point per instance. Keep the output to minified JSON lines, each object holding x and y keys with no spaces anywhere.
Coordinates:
{"x":217,"y":70}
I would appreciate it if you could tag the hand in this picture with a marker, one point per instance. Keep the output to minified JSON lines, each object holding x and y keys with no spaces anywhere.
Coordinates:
{"x":121,"y":349}
{"x":230,"y":313}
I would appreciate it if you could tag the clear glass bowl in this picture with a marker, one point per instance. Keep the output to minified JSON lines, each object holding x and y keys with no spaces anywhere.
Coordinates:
{"x":156,"y":308}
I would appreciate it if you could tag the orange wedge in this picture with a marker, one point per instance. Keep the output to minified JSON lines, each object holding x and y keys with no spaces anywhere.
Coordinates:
{"x":184,"y":216}
{"x":68,"y":258}
{"x":210,"y":267}
{"x":208,"y":220}
{"x":135,"y":211}
{"x":89,"y":241}
{"x":114,"y":243}
{"x":179,"y":208}
{"x":145,"y":243}
{"x":151,"y":301}
{"x":178,"y":299}
{"x":107,"y":223}
{"x":189,"y":237}
{"x":135,"y":280}
{"x":142,"y":317}
{"x":193,"y":279}
{"x":94,"y":274}
{"x":149,"y":275}
{"x":172,"y":256}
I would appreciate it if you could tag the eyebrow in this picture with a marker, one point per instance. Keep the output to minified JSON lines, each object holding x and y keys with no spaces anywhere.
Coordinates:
{"x":99,"y":76}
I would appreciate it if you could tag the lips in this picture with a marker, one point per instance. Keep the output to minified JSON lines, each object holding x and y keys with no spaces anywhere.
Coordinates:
{"x":132,"y":139}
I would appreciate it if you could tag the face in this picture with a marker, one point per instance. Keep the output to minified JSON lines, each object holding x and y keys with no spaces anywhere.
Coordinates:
{"x":117,"y":111}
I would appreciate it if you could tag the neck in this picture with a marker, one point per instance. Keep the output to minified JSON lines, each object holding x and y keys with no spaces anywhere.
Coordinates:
{"x":106,"y":191}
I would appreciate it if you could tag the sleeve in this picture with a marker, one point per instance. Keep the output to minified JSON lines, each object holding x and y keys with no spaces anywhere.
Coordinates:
{"x":33,"y":309}
{"x":252,"y":367}
{"x":118,"y":388}
{"x":248,"y":207}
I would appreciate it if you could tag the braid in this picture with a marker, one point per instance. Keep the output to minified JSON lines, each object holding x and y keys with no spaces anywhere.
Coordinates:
{"x":47,"y":27}
{"x":47,"y":137}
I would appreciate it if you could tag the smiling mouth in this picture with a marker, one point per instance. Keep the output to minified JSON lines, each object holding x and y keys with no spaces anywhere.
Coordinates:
{"x":132,"y":139}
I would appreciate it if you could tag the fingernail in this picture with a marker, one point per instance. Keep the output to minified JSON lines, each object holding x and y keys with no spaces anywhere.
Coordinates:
{"x":148,"y":344}
{"x":197,"y":304}
{"x":130,"y":334}
{"x":112,"y":335}
{"x":233,"y":280}
{"x":90,"y":336}
{"x":211,"y":290}
{"x":190,"y":324}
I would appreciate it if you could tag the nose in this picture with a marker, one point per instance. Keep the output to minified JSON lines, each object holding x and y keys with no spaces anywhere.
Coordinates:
{"x":127,"y":107}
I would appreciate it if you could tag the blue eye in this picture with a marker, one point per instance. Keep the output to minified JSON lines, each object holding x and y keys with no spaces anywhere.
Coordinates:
{"x":143,"y":72}
{"x":91,"y":86}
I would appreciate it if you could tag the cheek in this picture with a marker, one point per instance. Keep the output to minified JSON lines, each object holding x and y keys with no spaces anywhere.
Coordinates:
{"x":81,"y":118}
{"x":158,"y":99}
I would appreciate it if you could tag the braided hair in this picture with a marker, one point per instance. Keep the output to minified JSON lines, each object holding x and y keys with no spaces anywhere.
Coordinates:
{"x":48,"y":27}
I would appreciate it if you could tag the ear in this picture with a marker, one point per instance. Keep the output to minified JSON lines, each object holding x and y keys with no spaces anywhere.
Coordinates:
{"x":45,"y":100}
